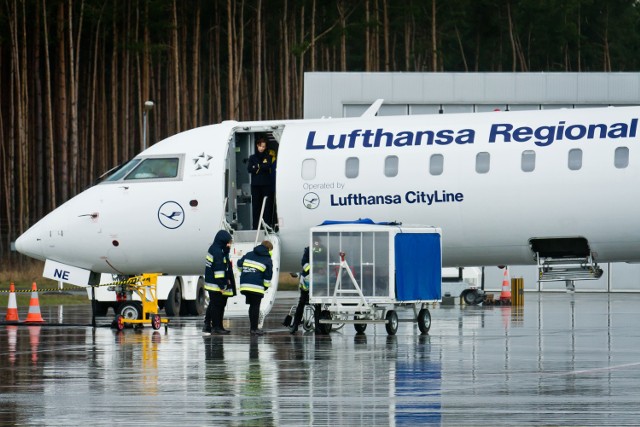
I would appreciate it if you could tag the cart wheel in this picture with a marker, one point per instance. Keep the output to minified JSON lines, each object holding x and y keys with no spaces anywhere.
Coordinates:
{"x":308,"y":319}
{"x":360,"y":327}
{"x":392,"y":322}
{"x":325,"y":328}
{"x":156,"y":322}
{"x":119,"y":322}
{"x":338,"y":326}
{"x":424,"y":320}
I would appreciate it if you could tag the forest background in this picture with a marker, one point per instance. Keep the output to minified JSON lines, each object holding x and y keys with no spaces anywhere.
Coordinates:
{"x":75,"y":74}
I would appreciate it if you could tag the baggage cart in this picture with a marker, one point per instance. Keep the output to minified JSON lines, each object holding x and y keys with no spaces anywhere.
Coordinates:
{"x":367,"y":273}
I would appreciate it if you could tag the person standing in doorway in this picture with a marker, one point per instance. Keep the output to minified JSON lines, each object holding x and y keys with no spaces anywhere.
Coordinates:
{"x":218,"y":281}
{"x":255,"y":278}
{"x":260,"y":166}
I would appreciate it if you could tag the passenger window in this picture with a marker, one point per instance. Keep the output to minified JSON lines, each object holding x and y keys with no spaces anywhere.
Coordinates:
{"x":621,"y":158}
{"x":352,"y":166}
{"x":391,"y":166}
{"x":483,"y":162}
{"x":436,"y":164}
{"x":528,"y":163}
{"x":575,"y":159}
{"x":309,"y":169}
{"x":155,"y":168}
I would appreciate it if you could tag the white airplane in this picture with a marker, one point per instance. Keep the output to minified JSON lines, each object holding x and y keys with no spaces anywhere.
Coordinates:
{"x":551,"y":186}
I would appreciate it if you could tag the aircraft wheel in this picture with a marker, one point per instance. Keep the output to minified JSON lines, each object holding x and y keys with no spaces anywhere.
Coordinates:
{"x":424,"y":320}
{"x":156,"y":321}
{"x":470,"y":296}
{"x":119,"y":322}
{"x":174,"y":300}
{"x":392,"y":322}
{"x":130,"y":310}
{"x":197,"y":306}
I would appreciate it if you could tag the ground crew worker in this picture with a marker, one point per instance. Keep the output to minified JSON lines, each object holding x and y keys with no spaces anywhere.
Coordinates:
{"x":256,"y":271}
{"x":218,"y":281}
{"x":304,"y":291}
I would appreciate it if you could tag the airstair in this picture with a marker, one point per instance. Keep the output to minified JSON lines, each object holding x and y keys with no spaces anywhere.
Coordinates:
{"x":565,"y":259}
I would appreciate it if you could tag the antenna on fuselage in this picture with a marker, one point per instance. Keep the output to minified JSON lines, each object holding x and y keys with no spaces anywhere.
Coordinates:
{"x":373,"y":110}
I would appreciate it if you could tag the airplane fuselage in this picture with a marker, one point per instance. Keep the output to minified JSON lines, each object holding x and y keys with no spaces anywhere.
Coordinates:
{"x":490,"y":181}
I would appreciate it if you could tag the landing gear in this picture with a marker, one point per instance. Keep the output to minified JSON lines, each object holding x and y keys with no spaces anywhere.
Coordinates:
{"x":131,"y":310}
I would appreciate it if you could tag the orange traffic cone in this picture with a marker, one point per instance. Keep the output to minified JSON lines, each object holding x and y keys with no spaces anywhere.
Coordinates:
{"x":505,"y":295}
{"x":34,"y":315}
{"x":12,"y":309}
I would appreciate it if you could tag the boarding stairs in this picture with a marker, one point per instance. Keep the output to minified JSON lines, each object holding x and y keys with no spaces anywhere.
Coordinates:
{"x":565,"y":259}
{"x":558,"y":269}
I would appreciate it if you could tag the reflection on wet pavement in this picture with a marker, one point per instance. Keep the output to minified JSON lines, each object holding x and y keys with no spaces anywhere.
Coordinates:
{"x":563,"y":359}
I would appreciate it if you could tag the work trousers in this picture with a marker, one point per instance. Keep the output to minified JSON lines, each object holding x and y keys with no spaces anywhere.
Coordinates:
{"x":304,"y":300}
{"x":254,"y":299}
{"x":215,"y":310}
{"x":258,"y":192}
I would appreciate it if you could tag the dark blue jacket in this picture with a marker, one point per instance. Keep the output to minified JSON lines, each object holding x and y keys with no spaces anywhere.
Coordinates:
{"x":217,"y":263}
{"x":260,"y":166}
{"x":256,"y":271}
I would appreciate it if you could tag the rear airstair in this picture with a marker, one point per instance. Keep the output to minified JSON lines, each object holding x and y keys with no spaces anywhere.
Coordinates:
{"x":243,"y":242}
{"x":565,"y":259}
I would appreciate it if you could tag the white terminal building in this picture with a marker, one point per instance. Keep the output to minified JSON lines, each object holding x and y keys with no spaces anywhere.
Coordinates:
{"x":350,"y":94}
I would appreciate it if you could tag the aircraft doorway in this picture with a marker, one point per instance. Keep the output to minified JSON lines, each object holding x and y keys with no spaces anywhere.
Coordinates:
{"x":242,"y":145}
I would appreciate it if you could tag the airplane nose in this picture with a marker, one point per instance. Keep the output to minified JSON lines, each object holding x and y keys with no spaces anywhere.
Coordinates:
{"x":30,"y":243}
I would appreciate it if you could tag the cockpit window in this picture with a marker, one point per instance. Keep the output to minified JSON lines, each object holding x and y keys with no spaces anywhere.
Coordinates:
{"x":150,"y":168}
{"x":122,"y":171}
{"x":155,"y":168}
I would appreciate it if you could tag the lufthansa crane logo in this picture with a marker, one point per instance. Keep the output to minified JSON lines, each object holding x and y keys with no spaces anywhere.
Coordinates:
{"x":171,"y":215}
{"x":311,"y":200}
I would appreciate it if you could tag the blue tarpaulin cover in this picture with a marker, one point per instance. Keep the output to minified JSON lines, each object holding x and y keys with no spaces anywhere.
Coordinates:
{"x":418,"y":266}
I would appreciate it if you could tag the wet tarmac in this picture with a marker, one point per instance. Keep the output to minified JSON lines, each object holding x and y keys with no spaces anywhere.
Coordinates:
{"x":563,"y":359}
